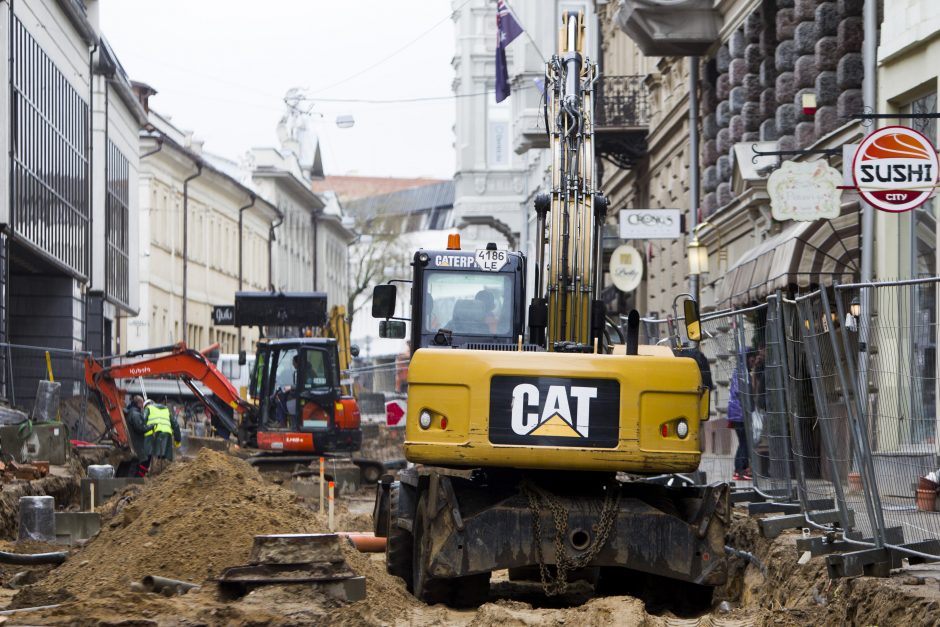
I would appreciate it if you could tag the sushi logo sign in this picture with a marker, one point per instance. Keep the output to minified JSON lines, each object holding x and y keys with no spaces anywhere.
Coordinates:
{"x":896,"y":169}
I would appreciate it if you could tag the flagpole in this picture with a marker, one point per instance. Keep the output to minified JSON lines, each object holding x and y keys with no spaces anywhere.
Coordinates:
{"x":525,"y":31}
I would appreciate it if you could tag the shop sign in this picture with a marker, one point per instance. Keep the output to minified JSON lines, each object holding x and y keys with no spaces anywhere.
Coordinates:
{"x":895,"y":169}
{"x":805,"y":191}
{"x":626,"y":268}
{"x":649,"y":224}
{"x":223,"y":314}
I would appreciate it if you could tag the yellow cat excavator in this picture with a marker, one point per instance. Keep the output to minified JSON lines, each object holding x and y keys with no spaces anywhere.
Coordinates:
{"x":557,"y":455}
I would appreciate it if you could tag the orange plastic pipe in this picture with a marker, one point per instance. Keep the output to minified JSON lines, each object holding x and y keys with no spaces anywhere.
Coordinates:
{"x":365,"y":542}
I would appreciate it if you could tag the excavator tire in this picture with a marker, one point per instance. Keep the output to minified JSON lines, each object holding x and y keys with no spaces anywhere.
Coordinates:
{"x":460,"y":592}
{"x":399,"y":543}
{"x":431,"y":591}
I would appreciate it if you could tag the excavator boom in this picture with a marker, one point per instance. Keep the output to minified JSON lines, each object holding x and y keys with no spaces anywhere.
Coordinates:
{"x":182,"y":362}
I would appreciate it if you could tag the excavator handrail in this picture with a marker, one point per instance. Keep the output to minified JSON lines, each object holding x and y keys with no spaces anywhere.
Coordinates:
{"x":182,"y":362}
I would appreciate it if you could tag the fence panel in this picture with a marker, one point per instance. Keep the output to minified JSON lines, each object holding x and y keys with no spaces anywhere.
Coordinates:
{"x":891,"y":354}
{"x":25,"y":366}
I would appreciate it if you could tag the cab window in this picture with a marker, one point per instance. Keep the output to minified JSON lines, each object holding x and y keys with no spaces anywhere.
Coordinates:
{"x":468,"y":303}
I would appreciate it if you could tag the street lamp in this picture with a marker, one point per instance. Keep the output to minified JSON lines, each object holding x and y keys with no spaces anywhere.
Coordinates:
{"x":698,"y":252}
{"x":851,"y":318}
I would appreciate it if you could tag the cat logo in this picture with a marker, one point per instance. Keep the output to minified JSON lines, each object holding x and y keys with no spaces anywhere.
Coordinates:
{"x":555,"y":418}
{"x":554,"y":411}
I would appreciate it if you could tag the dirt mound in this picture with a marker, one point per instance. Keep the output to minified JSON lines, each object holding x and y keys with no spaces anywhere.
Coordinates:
{"x":189,"y":523}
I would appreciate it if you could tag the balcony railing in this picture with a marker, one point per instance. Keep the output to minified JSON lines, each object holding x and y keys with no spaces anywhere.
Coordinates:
{"x":622,"y":102}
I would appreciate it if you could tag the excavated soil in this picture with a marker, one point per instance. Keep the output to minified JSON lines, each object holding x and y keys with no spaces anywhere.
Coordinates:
{"x":199,"y":517}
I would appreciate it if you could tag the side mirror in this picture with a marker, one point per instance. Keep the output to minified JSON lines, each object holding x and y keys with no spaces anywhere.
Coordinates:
{"x":242,"y":358}
{"x":383,"y":301}
{"x":693,"y":328}
{"x":354,"y":350}
{"x":393,"y":329}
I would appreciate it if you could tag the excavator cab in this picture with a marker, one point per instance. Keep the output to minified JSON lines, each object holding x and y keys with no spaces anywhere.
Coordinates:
{"x":461,"y":298}
{"x":301,"y":405}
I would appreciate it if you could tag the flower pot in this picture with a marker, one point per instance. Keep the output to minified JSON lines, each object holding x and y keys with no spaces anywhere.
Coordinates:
{"x":926,"y":484}
{"x":926,"y":500}
{"x":855,"y":482}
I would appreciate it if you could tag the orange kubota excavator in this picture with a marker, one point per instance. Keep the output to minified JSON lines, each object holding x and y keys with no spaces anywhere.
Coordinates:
{"x":187,"y":365}
{"x":298,"y":403}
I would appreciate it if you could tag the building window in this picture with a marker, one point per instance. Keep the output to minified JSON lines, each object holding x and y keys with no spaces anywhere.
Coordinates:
{"x":49,"y":168}
{"x":117,"y":215}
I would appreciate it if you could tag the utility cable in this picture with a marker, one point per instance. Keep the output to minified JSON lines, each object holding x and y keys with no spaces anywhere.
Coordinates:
{"x":389,"y":56}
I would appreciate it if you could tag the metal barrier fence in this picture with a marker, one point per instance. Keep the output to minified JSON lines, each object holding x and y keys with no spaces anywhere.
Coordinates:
{"x":838,"y":393}
{"x":23,"y":368}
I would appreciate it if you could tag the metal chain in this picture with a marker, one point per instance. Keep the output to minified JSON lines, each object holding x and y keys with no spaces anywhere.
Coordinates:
{"x":563,"y":561}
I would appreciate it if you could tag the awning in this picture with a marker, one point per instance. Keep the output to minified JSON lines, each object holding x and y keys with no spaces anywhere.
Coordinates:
{"x":804,"y":254}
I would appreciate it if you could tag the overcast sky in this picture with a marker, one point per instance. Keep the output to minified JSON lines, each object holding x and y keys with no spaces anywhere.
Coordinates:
{"x":222,"y":67}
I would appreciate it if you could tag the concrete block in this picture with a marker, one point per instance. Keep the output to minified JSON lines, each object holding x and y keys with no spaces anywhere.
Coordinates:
{"x":786,"y":88}
{"x":786,"y":24}
{"x":736,"y":128}
{"x":753,"y":25}
{"x":752,"y":87}
{"x":736,"y":100}
{"x":750,"y":115}
{"x":805,"y":37}
{"x":736,"y":71}
{"x":805,"y":72}
{"x":827,"y":54}
{"x":850,"y":35}
{"x":736,"y":44}
{"x":785,"y":56}
{"x":752,"y":58}
{"x":724,"y":141}
{"x":850,"y":103}
{"x":724,"y":168}
{"x":768,"y":71}
{"x":827,"y":18}
{"x":827,"y":89}
{"x":710,"y":152}
{"x":70,"y":527}
{"x":850,"y":71}
{"x":805,"y":134}
{"x":710,"y":126}
{"x":723,"y":86}
{"x":710,"y":179}
{"x":724,"y":194}
{"x":805,"y":10}
{"x":851,"y":8}
{"x":768,"y":103}
{"x":768,"y":130}
{"x":786,"y":142}
{"x":723,"y":114}
{"x":786,"y":118}
{"x":827,"y":120}
{"x":105,"y":489}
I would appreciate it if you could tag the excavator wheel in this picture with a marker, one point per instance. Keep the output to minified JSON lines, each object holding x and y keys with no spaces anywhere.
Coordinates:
{"x":399,"y":543}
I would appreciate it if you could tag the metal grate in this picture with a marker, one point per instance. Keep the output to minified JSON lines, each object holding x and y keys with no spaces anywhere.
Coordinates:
{"x":484,"y":346}
{"x":622,"y":102}
{"x":117,"y":261}
{"x":49,"y":169}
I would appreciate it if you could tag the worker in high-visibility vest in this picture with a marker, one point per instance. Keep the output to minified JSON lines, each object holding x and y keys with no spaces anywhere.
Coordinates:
{"x":162,"y":432}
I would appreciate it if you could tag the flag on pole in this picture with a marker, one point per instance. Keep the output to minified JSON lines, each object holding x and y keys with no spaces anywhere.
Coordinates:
{"x":507,"y":29}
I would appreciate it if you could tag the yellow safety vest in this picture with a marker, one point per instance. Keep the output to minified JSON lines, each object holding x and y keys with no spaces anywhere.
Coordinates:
{"x":158,"y":420}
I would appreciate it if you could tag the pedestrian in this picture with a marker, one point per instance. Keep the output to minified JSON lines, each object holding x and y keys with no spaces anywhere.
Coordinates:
{"x":163,"y":432}
{"x":136,"y":427}
{"x":401,"y":368}
{"x":742,"y":463}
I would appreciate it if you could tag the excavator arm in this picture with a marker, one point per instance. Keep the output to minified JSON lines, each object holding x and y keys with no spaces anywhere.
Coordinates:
{"x":185,"y":363}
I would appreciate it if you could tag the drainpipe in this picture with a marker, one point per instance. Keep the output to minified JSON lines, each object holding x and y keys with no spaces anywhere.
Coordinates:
{"x":90,"y":170}
{"x":693,"y":162}
{"x":271,"y":251}
{"x":241,"y":260}
{"x":316,"y":224}
{"x":186,"y":244}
